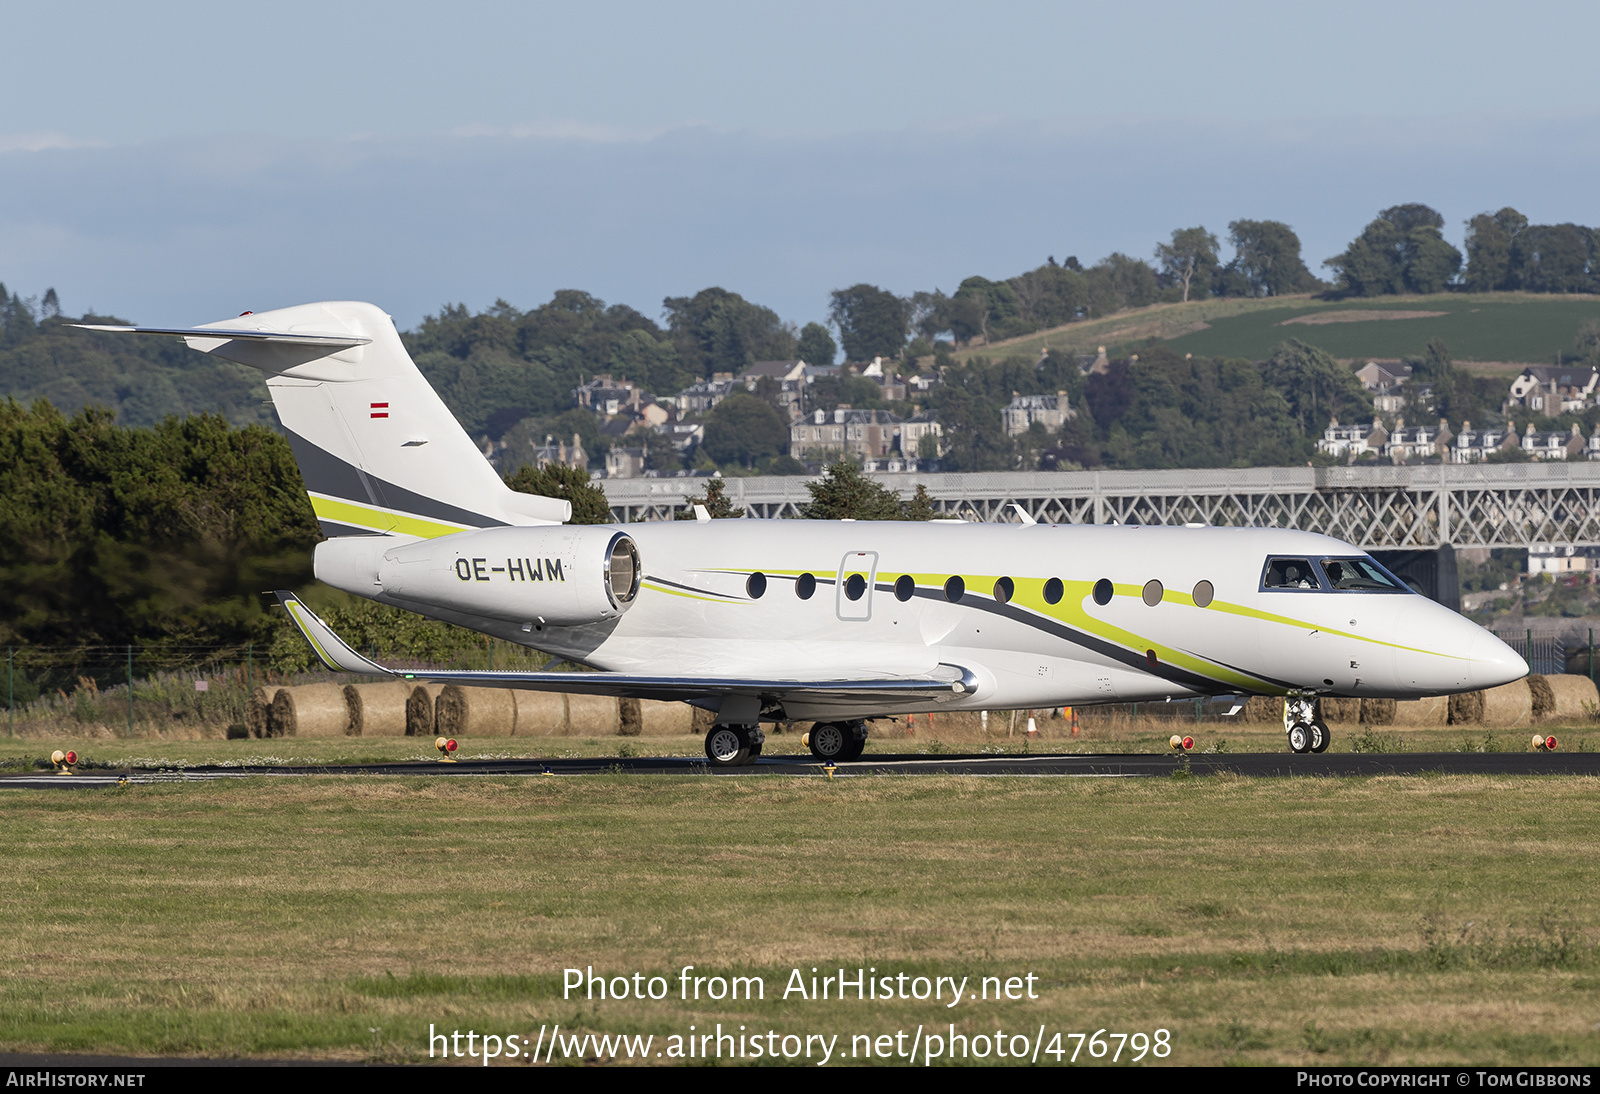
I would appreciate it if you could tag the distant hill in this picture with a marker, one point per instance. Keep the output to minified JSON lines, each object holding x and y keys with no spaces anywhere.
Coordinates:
{"x":1498,"y":327}
{"x":144,"y":380}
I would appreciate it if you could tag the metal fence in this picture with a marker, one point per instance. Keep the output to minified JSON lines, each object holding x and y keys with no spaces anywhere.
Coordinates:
{"x":1545,"y":654}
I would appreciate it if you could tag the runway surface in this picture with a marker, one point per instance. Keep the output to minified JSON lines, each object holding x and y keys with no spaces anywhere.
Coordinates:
{"x":1079,"y":765}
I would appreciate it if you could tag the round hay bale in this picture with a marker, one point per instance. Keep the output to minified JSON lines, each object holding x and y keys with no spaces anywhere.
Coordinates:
{"x":540,"y":713}
{"x":1573,"y":698}
{"x":630,"y":722}
{"x":419,"y":710}
{"x":1466,"y":709}
{"x":1508,"y":706}
{"x":258,"y":713}
{"x":311,"y":710}
{"x":592,"y":716}
{"x":475,"y":712}
{"x":661,"y":719}
{"x":1341,"y":711}
{"x":377,"y":710}
{"x":1377,"y":712}
{"x":1263,"y":709}
{"x":701,"y":721}
{"x":1544,"y":700}
{"x":1432,"y":711}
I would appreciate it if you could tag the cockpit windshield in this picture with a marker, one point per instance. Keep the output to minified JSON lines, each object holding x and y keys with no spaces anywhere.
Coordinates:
{"x":1360,"y":574}
{"x":1353,"y":574}
{"x":1290,"y":573}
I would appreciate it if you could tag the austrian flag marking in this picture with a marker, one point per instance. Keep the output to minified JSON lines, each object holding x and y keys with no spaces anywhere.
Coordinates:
{"x":380,"y":410}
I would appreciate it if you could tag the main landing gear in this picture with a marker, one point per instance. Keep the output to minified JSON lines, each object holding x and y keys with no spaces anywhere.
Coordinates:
{"x":838,"y":742}
{"x":734,"y":746}
{"x":1302,"y":721}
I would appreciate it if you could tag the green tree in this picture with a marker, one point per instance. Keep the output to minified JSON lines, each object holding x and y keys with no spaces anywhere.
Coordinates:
{"x":1267,"y":257}
{"x":1192,"y":252}
{"x":872,"y":322}
{"x":1556,"y":258}
{"x":716,"y":502}
{"x":719,"y":331}
{"x":921,"y":506}
{"x":1315,"y":386}
{"x":816,"y":345}
{"x":1401,"y":251}
{"x":589,"y":505}
{"x":743,"y":429}
{"x":1490,"y":239}
{"x":844,"y":493}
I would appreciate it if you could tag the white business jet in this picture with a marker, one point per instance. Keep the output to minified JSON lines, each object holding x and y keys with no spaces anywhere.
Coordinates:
{"x":835,"y":622}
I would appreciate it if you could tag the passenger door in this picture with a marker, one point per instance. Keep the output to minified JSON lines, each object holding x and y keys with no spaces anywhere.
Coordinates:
{"x":858,"y":572}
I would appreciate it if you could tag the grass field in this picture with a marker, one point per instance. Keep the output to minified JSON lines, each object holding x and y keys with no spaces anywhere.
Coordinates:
{"x":1446,"y":920}
{"x":1486,"y":327}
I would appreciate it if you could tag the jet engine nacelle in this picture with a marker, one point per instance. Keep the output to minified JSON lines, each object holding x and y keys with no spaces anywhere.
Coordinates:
{"x":553,"y":575}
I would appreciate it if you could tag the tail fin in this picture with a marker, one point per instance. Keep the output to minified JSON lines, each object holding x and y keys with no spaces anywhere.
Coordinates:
{"x":378,"y":449}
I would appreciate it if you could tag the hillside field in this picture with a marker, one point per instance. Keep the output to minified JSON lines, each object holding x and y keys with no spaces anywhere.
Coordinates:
{"x":1523,"y":328}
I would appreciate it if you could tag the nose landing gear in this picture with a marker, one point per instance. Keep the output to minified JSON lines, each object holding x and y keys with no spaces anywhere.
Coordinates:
{"x":1302,"y":721}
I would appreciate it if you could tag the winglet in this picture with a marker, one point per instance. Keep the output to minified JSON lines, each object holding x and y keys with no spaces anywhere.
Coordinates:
{"x":329,"y":646}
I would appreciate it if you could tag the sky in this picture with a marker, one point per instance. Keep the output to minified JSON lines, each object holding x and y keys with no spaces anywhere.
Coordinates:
{"x":182,"y":162}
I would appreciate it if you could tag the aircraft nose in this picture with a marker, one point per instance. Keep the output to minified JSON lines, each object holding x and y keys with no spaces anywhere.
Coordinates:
{"x":1493,"y":662}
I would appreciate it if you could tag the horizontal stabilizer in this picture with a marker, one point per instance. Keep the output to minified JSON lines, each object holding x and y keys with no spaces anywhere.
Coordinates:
{"x":950,"y":683}
{"x":290,"y":338}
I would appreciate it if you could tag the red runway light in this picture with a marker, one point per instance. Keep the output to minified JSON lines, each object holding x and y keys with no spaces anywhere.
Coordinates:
{"x":1550,"y":744}
{"x":1188,"y":743}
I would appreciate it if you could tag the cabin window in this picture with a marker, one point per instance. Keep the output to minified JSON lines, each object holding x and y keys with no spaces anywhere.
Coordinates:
{"x":1003,"y":590}
{"x":854,"y":586}
{"x":755,"y":585}
{"x":1103,"y":591}
{"x":1293,"y":574}
{"x":1153,"y":592}
{"x":805,"y":586}
{"x":1053,"y":591}
{"x":1203,"y":594}
{"x":955,"y":589}
{"x":1360,"y":575}
{"x":905,"y":587}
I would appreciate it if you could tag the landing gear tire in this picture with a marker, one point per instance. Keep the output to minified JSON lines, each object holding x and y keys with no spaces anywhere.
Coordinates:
{"x":856,"y":740}
{"x":1320,"y":737}
{"x":831,"y":742}
{"x":733,"y":746}
{"x":1300,"y":738}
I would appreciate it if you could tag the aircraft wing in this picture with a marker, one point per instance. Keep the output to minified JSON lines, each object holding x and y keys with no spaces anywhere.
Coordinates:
{"x":950,"y":682}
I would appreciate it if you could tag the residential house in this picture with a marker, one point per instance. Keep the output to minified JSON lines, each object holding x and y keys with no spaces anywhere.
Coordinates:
{"x":1545,"y":558}
{"x":1554,"y":445}
{"x":1418,"y":442}
{"x":608,"y":397}
{"x":913,"y":429}
{"x":857,"y":434}
{"x":1024,"y":410}
{"x":1553,"y":391}
{"x":1475,"y":445}
{"x":698,"y":398}
{"x":1353,"y":440}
